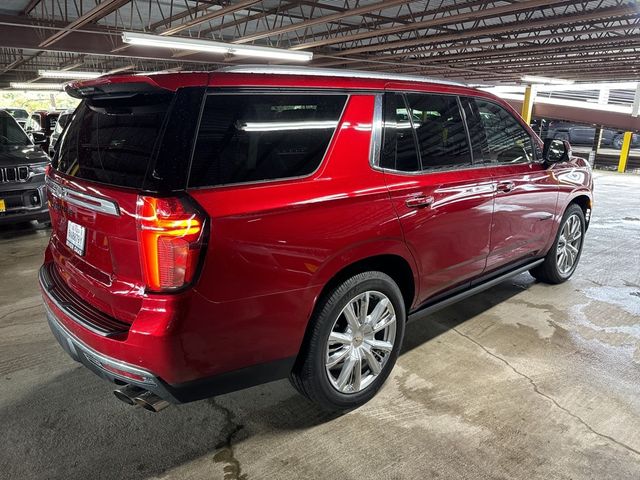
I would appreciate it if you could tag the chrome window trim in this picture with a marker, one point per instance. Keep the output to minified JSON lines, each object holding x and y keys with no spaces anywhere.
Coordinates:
{"x":90,"y":202}
{"x":376,"y":132}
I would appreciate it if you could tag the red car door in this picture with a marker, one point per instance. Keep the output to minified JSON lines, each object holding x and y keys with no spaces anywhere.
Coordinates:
{"x":444,"y":204}
{"x":526,"y":191}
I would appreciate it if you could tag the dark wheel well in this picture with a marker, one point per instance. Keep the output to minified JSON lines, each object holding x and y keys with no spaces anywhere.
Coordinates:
{"x":585,"y":204}
{"x":393,"y":265}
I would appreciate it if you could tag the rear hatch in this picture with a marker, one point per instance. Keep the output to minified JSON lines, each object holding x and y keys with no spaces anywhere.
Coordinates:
{"x":104,"y":167}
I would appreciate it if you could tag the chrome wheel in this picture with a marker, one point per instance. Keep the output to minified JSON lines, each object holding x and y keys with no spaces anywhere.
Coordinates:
{"x":360,"y":342}
{"x":569,"y":244}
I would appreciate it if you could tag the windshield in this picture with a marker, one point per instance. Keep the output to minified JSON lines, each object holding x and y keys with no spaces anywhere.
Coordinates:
{"x":11,"y":135}
{"x":112,"y":140}
{"x":18,"y":113}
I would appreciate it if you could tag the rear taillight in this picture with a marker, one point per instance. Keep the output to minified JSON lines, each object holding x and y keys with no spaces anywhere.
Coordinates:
{"x":170,"y":235}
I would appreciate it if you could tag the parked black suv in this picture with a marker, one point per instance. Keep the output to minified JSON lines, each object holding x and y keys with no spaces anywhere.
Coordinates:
{"x":22,"y":169}
{"x":578,"y":134}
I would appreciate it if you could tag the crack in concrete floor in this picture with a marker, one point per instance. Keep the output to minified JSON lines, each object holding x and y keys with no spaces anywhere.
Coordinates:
{"x":537,"y":390}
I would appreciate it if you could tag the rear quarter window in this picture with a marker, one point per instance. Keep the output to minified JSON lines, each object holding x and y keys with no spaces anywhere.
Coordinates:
{"x":113,"y":140}
{"x":257,"y":137}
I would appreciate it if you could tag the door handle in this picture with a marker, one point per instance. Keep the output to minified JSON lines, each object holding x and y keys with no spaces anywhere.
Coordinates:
{"x":419,"y":201}
{"x":505,"y":187}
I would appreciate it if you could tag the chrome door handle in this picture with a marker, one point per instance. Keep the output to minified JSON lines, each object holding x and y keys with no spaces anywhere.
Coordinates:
{"x":505,"y":187}
{"x":419,"y":201}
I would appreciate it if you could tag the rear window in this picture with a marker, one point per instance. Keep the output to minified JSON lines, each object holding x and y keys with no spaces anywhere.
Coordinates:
{"x":113,"y":140}
{"x":256,"y":137}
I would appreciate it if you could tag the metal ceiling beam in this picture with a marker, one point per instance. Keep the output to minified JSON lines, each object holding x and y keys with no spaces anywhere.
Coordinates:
{"x":441,"y":21}
{"x":30,"y":6}
{"x":324,"y":19}
{"x":627,"y":41}
{"x":178,"y":16}
{"x":99,"y":11}
{"x":506,"y":41}
{"x":250,"y":18}
{"x":404,"y":19}
{"x":242,"y":5}
{"x":513,"y":27}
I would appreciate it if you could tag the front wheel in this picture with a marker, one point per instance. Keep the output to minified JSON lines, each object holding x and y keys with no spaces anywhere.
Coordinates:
{"x":562,"y":259}
{"x":353,"y":342}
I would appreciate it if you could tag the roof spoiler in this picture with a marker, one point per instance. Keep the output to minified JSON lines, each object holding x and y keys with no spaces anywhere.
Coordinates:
{"x":133,"y":84}
{"x":111,"y":85}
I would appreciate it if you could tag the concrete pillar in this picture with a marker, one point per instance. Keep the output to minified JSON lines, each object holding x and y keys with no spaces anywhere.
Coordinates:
{"x":597,"y":139}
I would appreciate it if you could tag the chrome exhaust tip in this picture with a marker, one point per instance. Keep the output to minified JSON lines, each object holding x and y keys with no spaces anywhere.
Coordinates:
{"x":128,"y":393}
{"x":150,"y":401}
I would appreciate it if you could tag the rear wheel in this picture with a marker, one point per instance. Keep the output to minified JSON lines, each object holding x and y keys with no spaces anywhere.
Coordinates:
{"x":353,"y":343}
{"x":562,"y":259}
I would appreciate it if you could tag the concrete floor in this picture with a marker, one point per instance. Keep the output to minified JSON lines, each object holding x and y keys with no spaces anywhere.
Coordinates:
{"x":524,"y":381}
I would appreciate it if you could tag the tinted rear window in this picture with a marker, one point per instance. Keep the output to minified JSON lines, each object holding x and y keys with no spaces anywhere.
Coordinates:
{"x":113,"y":140}
{"x":255,"y":137}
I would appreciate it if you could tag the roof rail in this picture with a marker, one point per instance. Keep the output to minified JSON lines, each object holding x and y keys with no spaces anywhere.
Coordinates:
{"x":332,"y":72}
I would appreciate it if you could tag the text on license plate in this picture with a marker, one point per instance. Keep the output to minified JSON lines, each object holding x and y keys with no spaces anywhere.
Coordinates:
{"x":75,"y":237}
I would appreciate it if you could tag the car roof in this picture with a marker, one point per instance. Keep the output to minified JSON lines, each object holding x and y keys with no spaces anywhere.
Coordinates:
{"x":264,"y":74}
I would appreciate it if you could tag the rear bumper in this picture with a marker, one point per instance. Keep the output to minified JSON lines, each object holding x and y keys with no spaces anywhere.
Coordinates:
{"x":104,"y":366}
{"x":147,"y":355}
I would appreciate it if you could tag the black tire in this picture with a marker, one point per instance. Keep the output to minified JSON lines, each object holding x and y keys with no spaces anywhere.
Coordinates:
{"x":310,"y":376}
{"x":549,"y":270}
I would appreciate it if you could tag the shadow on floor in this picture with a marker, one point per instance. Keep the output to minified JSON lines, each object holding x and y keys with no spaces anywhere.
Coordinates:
{"x":23,"y":229}
{"x":70,"y":425}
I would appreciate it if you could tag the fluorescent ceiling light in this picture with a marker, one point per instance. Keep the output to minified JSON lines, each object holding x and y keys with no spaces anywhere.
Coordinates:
{"x":35,"y":86}
{"x":70,"y":74}
{"x":209,"y":46}
{"x":547,"y":80}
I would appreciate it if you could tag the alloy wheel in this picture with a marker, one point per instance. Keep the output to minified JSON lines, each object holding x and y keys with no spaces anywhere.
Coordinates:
{"x":569,"y":244}
{"x":360,"y":342}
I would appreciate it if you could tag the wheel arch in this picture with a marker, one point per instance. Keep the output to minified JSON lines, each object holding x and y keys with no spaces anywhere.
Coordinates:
{"x":394,"y":264}
{"x":584,"y":201}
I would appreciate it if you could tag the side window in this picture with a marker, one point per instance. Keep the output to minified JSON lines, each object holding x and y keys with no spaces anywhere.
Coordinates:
{"x":505,"y":139}
{"x":253,"y":137}
{"x":441,"y":134}
{"x":399,"y":147}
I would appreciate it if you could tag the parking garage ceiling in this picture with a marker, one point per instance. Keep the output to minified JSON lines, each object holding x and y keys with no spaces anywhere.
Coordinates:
{"x":473,"y":41}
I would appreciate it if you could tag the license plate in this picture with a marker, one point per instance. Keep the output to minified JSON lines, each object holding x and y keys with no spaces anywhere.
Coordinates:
{"x":3,"y":206}
{"x":75,"y":237}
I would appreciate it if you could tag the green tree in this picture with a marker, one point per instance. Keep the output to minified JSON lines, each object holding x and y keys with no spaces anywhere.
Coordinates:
{"x":32,"y":100}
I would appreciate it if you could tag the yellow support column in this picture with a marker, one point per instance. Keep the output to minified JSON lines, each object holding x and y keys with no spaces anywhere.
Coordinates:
{"x":624,"y":153}
{"x":527,"y":104}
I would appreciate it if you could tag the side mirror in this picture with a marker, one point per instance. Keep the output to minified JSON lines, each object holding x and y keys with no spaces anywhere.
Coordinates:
{"x":556,"y":151}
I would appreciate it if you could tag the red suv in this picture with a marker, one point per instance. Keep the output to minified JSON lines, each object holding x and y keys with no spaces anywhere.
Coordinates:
{"x":213,"y":231}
